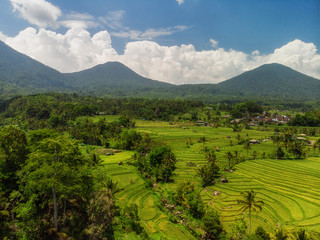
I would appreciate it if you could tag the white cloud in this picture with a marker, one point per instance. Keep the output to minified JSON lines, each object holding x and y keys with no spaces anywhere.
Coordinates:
{"x":300,"y":56}
{"x":180,"y":2}
{"x":45,"y":15}
{"x":214,"y":43}
{"x":77,"y":50}
{"x":183,"y":64}
{"x":255,"y":53}
{"x":78,"y":20}
{"x":37,"y":12}
{"x":74,"y":51}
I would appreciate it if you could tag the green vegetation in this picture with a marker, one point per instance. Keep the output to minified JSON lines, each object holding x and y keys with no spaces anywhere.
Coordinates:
{"x":249,"y":203}
{"x":68,"y":170}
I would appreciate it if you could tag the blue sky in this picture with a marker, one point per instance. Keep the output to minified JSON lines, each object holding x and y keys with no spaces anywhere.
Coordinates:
{"x":218,"y":38}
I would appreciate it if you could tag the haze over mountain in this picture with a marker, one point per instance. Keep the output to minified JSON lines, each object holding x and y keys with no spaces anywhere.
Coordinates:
{"x":20,"y":74}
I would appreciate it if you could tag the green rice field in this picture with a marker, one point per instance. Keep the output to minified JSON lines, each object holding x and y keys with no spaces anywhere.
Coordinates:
{"x":289,"y":188}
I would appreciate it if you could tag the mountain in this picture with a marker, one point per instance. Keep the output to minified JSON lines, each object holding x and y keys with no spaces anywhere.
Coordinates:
{"x":112,"y":76}
{"x":22,"y":74}
{"x":272,"y":80}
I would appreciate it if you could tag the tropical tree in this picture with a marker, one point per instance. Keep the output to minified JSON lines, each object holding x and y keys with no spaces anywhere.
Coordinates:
{"x":250,"y":203}
{"x":280,"y":235}
{"x":255,"y":155}
{"x":302,"y":235}
{"x":280,"y":153}
{"x":239,"y":138}
{"x":316,"y":145}
{"x":203,"y":140}
{"x":161,"y":163}
{"x":262,"y":234}
{"x":247,"y":147}
{"x":13,"y":153}
{"x":212,"y":225}
{"x":297,"y":149}
{"x":190,"y":199}
{"x":276,"y":139}
{"x":57,"y":169}
{"x":210,"y":171}
{"x":228,"y":155}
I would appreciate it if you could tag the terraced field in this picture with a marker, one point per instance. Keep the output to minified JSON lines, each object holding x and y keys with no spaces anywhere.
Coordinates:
{"x":289,"y":188}
{"x":133,"y":191}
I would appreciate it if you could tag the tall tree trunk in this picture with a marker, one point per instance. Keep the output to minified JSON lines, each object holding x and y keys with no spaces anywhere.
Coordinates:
{"x":55,"y":209}
{"x":249,"y":221}
{"x":64,"y":209}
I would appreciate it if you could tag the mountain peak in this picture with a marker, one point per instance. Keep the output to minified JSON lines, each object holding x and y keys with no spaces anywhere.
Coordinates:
{"x":111,"y":74}
{"x":273,"y":80}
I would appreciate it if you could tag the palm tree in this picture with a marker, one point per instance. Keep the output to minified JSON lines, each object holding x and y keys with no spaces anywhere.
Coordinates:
{"x":280,"y":235}
{"x":255,"y":155}
{"x":203,"y":140}
{"x":249,"y":203}
{"x":247,"y":147}
{"x":302,"y":235}
{"x":229,"y":156}
{"x":315,"y":145}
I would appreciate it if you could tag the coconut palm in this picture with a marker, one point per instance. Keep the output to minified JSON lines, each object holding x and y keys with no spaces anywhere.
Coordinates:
{"x":249,"y":203}
{"x":302,"y":235}
{"x":229,"y":156}
{"x":280,"y":235}
{"x":247,"y":147}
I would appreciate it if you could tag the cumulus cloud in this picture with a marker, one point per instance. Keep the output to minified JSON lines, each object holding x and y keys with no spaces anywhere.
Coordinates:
{"x":37,"y":12}
{"x":300,"y":56}
{"x":182,"y":64}
{"x":180,"y":2}
{"x":73,"y":51}
{"x":255,"y":53}
{"x":77,"y":50}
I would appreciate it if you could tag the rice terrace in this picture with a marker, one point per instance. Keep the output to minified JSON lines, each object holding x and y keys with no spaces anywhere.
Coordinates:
{"x":288,"y":188}
{"x":160,"y":120}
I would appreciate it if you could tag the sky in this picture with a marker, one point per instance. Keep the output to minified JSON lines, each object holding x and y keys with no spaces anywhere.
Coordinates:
{"x":175,"y":41}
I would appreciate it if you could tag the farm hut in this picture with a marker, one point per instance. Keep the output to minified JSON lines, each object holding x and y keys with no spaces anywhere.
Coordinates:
{"x":216,"y":193}
{"x":224,"y":180}
{"x":253,"y":141}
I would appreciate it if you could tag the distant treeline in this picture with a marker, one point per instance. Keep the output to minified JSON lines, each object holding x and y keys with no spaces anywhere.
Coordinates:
{"x":56,"y":109}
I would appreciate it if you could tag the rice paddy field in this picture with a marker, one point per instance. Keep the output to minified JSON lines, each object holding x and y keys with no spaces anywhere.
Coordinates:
{"x":289,"y":188}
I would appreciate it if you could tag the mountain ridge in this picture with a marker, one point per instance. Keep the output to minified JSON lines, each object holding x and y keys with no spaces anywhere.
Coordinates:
{"x":20,"y":74}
